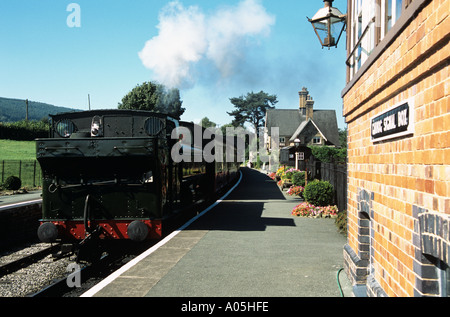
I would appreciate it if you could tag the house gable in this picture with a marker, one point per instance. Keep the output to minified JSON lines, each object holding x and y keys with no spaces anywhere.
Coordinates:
{"x":304,"y":122}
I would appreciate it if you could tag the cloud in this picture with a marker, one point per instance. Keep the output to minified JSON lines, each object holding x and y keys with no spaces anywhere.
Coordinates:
{"x":187,"y":38}
{"x":180,"y":42}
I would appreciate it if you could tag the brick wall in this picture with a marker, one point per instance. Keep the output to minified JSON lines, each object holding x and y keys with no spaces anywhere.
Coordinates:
{"x":394,"y":183}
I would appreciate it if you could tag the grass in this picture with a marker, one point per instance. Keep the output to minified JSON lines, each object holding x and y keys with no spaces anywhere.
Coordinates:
{"x":11,"y":152}
{"x":17,"y":150}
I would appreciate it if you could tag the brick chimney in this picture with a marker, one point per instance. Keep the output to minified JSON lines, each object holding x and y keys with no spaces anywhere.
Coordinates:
{"x":306,"y":103}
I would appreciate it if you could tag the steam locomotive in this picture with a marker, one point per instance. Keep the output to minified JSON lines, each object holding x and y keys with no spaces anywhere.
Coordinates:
{"x":113,"y":175}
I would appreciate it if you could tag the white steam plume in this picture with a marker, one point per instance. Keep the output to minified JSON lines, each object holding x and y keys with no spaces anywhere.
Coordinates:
{"x":187,"y":36}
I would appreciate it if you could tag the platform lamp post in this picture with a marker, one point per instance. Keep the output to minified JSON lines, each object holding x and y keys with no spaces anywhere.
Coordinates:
{"x":297,"y":148}
{"x":297,"y":144}
{"x":328,"y":23}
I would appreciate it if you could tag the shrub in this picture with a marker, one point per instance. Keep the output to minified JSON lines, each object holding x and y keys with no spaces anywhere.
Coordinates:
{"x":13,"y":183}
{"x":319,"y":193}
{"x":298,"y":179}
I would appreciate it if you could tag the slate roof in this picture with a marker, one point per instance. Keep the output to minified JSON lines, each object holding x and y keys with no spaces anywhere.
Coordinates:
{"x":287,"y":120}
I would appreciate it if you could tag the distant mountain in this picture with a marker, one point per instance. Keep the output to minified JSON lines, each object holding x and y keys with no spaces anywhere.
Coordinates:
{"x":12,"y":110}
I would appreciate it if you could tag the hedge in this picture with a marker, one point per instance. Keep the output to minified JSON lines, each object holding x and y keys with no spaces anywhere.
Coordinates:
{"x":24,"y":130}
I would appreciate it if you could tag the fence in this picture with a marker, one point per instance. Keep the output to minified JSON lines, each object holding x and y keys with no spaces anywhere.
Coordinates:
{"x":336,"y":174}
{"x":29,"y":172}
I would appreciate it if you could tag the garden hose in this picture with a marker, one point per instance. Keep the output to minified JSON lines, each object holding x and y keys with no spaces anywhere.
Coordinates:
{"x":339,"y":283}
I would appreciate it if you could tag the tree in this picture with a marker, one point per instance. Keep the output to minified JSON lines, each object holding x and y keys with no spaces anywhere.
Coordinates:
{"x":343,"y":137}
{"x":224,"y":127}
{"x":252,"y":108}
{"x":329,"y":154}
{"x":206,"y":123}
{"x":154,"y":97}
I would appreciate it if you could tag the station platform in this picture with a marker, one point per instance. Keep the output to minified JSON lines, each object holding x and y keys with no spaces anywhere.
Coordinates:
{"x":18,"y":199}
{"x":246,"y":245}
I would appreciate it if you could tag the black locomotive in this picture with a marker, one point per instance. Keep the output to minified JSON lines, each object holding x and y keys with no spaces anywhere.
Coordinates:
{"x":117,"y":174}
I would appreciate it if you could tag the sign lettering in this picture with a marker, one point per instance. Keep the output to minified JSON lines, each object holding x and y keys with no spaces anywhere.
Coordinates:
{"x":395,"y":122}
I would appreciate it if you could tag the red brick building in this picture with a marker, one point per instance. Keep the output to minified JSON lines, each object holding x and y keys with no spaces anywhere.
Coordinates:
{"x":397,"y":107}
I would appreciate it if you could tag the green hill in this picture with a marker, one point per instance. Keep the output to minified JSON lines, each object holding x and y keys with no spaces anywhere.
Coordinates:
{"x":12,"y":110}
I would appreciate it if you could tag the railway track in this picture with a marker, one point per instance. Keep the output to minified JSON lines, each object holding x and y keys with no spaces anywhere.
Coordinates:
{"x":29,"y":268}
{"x":26,"y":257}
{"x":33,"y":271}
{"x":83,"y":277}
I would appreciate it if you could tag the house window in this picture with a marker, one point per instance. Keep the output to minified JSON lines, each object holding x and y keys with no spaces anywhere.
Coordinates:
{"x":368,"y":24}
{"x":317,"y":140}
{"x":362,"y":37}
{"x":282,"y":141}
{"x":387,"y":15}
{"x":390,"y":12}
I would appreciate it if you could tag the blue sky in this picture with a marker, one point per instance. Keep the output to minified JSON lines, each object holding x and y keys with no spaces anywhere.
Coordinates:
{"x":45,"y":60}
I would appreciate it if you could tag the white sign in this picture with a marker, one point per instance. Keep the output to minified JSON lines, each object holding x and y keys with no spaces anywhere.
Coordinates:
{"x":393,"y":123}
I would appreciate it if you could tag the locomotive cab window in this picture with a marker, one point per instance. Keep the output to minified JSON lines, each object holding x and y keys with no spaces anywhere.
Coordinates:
{"x":65,"y":128}
{"x":97,"y":126}
{"x":153,"y":126}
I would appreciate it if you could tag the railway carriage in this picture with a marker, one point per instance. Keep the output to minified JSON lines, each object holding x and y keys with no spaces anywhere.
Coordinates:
{"x":110,"y":175}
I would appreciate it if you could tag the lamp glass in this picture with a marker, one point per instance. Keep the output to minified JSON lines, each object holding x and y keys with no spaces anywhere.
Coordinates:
{"x":322,"y":19}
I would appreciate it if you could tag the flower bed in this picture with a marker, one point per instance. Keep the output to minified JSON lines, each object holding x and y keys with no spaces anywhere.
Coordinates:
{"x":295,"y":190}
{"x":289,"y":172}
{"x":284,"y":177}
{"x":305,"y":209}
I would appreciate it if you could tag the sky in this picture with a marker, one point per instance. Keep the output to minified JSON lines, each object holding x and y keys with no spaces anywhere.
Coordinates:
{"x":61,"y":51}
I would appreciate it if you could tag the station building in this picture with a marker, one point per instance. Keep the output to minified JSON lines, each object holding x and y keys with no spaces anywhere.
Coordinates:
{"x":397,"y":107}
{"x":310,"y":126}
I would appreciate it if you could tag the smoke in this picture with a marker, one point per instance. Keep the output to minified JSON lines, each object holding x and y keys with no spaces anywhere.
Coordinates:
{"x":188,"y":39}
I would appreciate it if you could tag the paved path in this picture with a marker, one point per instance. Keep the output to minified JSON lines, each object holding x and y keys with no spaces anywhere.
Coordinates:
{"x":247,"y":246}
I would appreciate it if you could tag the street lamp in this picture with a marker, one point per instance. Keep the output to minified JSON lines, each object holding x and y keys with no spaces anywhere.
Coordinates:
{"x":328,"y":23}
{"x":297,"y":148}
